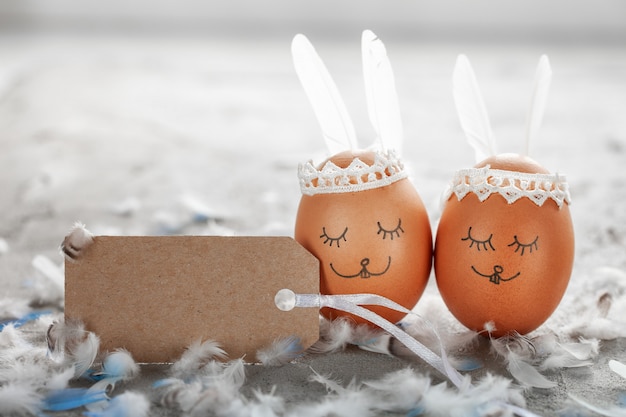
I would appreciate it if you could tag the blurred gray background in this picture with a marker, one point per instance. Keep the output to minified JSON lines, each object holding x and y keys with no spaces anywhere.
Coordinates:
{"x":566,"y":20}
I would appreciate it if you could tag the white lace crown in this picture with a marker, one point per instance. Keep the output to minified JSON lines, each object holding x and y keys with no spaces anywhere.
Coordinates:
{"x":358,"y":176}
{"x":509,"y":184}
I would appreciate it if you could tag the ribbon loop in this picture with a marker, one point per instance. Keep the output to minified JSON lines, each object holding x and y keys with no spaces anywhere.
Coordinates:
{"x":351,"y":303}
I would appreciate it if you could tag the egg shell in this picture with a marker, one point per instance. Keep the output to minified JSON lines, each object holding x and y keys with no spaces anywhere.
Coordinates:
{"x":387,"y":232}
{"x":478,"y":281}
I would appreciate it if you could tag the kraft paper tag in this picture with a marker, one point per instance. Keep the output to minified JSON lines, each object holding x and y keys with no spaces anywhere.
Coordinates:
{"x":154,"y":296}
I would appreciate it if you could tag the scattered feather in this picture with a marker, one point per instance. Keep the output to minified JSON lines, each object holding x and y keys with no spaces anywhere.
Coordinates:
{"x":266,"y":405}
{"x":525,"y":373}
{"x":71,"y":398}
{"x":400,"y":390}
{"x":60,"y":379}
{"x":598,"y":328}
{"x":19,"y":398}
{"x":335,"y":335}
{"x":332,"y":385}
{"x":11,"y":308}
{"x":380,"y":344}
{"x":490,"y":327}
{"x":604,"y":303}
{"x":83,"y":354}
{"x":118,"y":365}
{"x":128,"y":404}
{"x":471,"y":110}
{"x":519,"y":352}
{"x":52,"y":289}
{"x":211,"y":391}
{"x":466,"y":364}
{"x":281,"y":351}
{"x":28,"y":317}
{"x":70,"y":344}
{"x":4,"y":246}
{"x":558,"y":354}
{"x":76,"y":242}
{"x":328,"y":106}
{"x":618,"y":367}
{"x":196,"y":356}
{"x":614,"y":411}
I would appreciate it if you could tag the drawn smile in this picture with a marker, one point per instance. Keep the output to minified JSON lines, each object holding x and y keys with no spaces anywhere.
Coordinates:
{"x":364,"y":272}
{"x":496,"y":277}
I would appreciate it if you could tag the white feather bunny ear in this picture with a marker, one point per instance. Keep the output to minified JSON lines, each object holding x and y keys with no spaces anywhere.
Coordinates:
{"x":322,"y":92}
{"x":543,"y":77}
{"x":472,"y":111}
{"x":380,"y":91}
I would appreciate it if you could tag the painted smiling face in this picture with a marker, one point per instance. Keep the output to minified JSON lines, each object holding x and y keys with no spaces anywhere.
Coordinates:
{"x":363,"y":219}
{"x":508,"y":258}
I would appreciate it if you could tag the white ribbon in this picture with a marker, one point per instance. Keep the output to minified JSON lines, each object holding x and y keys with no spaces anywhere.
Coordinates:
{"x":351,"y":303}
{"x":287,"y":300}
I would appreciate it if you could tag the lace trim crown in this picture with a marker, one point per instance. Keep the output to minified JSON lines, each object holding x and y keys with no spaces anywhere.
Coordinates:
{"x":509,"y":184}
{"x":358,"y":176}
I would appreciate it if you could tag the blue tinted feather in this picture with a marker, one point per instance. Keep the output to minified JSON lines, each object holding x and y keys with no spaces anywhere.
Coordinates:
{"x":33,"y":315}
{"x":71,"y":398}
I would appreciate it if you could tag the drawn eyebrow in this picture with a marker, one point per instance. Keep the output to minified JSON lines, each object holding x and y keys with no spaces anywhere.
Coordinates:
{"x":523,"y":246}
{"x":479,"y":243}
{"x":391,"y":233}
{"x":332,"y":240}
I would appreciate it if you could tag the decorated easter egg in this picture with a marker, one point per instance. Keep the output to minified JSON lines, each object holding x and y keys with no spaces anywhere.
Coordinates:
{"x":504,"y":247}
{"x":365,"y":222}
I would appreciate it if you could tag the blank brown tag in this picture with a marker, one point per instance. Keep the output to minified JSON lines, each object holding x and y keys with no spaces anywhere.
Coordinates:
{"x":156,"y":295}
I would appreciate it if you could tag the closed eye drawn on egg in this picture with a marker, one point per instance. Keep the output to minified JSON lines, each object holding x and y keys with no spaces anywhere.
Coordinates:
{"x":331,"y":240}
{"x":479,"y":243}
{"x":523,"y":246}
{"x":391,"y":233}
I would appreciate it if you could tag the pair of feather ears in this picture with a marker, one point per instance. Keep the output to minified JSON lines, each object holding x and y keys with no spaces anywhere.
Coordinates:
{"x":382,"y":100}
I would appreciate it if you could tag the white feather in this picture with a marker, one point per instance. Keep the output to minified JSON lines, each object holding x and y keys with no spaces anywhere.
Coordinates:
{"x":525,"y":373}
{"x":471,"y":110}
{"x":83,"y":354}
{"x":76,"y":242}
{"x":618,"y":367}
{"x":281,"y":351}
{"x":565,"y":355}
{"x":13,"y":307}
{"x":331,"y":385}
{"x":609,"y":412}
{"x":128,"y":404}
{"x":334,"y":335}
{"x":379,"y":344}
{"x":543,"y":77}
{"x":54,"y":287}
{"x":380,"y":92}
{"x":120,"y":365}
{"x":324,"y":97}
{"x":400,"y":390}
{"x":19,"y":399}
{"x":231,"y":374}
{"x":60,"y":380}
{"x":196,"y":356}
{"x":266,"y":405}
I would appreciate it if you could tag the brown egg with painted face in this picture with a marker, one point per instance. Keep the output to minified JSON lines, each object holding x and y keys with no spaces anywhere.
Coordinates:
{"x":504,"y":248}
{"x":365,"y":222}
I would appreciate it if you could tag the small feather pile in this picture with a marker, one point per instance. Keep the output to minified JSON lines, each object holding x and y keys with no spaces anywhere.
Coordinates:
{"x":413,"y":394}
{"x":34,"y":378}
{"x":337,"y":334}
